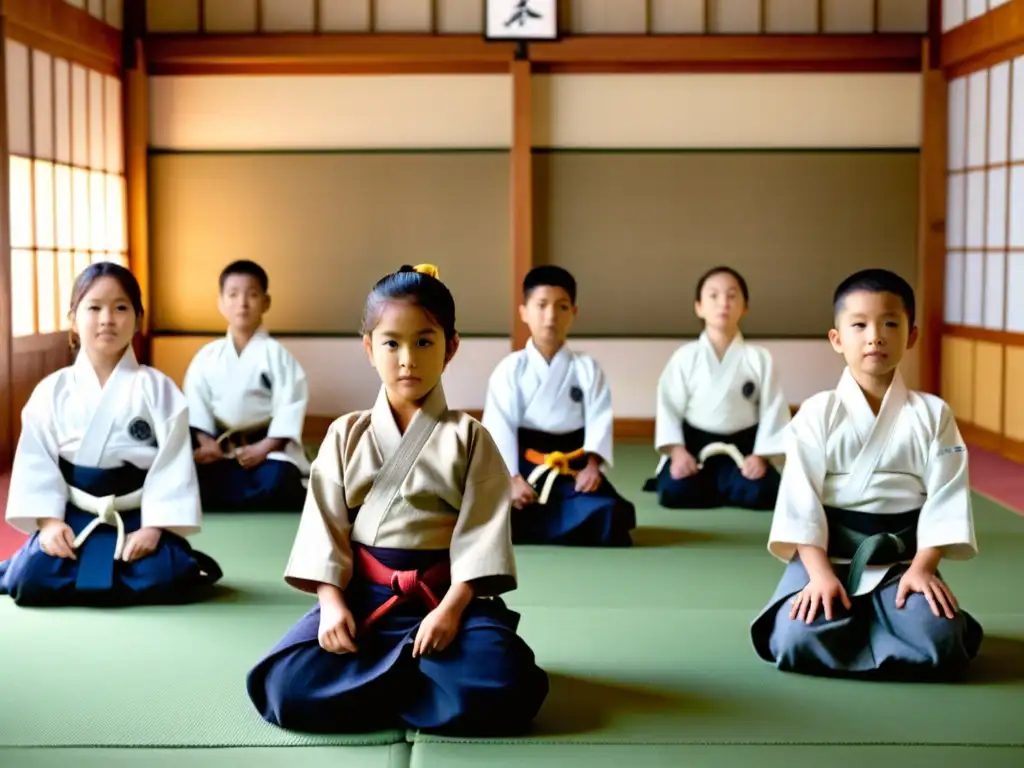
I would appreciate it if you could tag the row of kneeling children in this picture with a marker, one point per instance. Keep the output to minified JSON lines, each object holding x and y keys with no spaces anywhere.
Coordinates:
{"x":406,"y":530}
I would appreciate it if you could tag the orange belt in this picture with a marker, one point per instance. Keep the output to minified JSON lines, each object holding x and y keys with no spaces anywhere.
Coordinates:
{"x":405,"y":584}
{"x":551,"y":464}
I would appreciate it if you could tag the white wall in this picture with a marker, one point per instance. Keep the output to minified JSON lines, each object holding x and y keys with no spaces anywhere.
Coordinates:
{"x":341,"y":379}
{"x":570,"y":111}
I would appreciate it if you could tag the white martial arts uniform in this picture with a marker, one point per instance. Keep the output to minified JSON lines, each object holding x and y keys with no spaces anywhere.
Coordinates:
{"x":565,"y":410}
{"x":569,"y":394}
{"x":721,"y":397}
{"x":893,"y":484}
{"x":911,"y":456}
{"x":107,"y":461}
{"x":139,"y":417}
{"x":262,"y":386}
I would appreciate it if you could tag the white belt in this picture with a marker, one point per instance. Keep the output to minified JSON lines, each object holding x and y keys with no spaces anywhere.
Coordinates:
{"x":107,"y":510}
{"x":720,"y":449}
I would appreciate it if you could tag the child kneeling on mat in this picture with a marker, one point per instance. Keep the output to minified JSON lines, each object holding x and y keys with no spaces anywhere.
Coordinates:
{"x":405,"y":540}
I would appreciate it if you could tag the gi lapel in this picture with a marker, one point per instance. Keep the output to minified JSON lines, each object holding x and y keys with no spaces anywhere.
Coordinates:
{"x":552,"y":378}
{"x":241,"y":371}
{"x":113,"y":397}
{"x":873,"y":440}
{"x":400,"y":452}
{"x":721,"y":374}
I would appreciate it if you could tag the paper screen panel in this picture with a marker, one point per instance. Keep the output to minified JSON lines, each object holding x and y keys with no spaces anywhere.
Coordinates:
{"x":995,"y":290}
{"x":42,"y":104}
{"x":977,"y":118}
{"x":735,"y":16}
{"x":19,"y":100}
{"x":344,"y":16}
{"x":79,"y":116}
{"x":97,"y":109}
{"x":791,"y":16}
{"x":288,"y":15}
{"x":678,"y":17}
{"x":62,"y":110}
{"x":230,"y":15}
{"x":954,"y":288}
{"x":974,"y":282}
{"x":20,"y":193}
{"x":1014,"y":290}
{"x":621,"y":17}
{"x":46,"y":292}
{"x":403,"y":16}
{"x":999,"y":113}
{"x":464,"y":17}
{"x":23,"y":293}
{"x":45,"y":208}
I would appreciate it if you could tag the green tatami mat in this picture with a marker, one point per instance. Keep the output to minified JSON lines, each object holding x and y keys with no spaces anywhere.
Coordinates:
{"x":391,"y":756}
{"x":648,"y":650}
{"x":662,"y":756}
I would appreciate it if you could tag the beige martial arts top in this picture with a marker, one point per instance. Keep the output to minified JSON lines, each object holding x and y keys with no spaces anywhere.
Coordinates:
{"x":441,"y":485}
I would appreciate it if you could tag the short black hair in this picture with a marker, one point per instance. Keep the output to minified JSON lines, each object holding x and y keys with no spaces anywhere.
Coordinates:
{"x":876,"y":281}
{"x":245,"y":267}
{"x":556,"y":277}
{"x":724,"y":271}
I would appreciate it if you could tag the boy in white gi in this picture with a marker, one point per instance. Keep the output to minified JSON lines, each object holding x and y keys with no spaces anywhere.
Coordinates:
{"x":873,"y":495}
{"x":549,"y":410}
{"x":247,"y":399}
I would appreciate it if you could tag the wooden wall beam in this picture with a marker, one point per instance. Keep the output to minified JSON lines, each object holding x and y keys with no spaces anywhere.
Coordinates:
{"x":932,"y":222}
{"x":336,"y":53}
{"x":62,"y":30}
{"x":6,"y":345}
{"x":1006,"y":338}
{"x":521,"y":193}
{"x":763,"y":53}
{"x":135,"y":111}
{"x":323,"y":53}
{"x":984,"y":41}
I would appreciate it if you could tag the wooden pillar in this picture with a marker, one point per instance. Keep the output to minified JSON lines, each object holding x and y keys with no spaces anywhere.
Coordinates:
{"x":932,"y":220}
{"x":135,"y":93}
{"x":6,"y":342}
{"x":521,"y":190}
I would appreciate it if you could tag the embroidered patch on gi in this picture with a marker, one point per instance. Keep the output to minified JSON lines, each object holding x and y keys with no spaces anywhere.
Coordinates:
{"x":140,"y":430}
{"x":265,"y":380}
{"x":748,"y":390}
{"x":953,"y":449}
{"x":576,"y":394}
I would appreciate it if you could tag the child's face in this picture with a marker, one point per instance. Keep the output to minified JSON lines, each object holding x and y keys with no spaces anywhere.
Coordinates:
{"x":242,"y":302}
{"x":549,"y":313}
{"x":873,"y":333}
{"x":721,"y":303}
{"x":104,"y":319}
{"x":408,"y":350}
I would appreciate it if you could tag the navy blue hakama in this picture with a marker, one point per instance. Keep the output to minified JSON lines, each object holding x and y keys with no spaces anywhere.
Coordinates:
{"x":719,"y":483}
{"x":486,"y":682}
{"x":601,"y":518}
{"x":173,"y":573}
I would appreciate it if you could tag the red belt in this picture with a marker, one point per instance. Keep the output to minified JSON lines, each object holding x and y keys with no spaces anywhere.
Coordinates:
{"x":405,"y":584}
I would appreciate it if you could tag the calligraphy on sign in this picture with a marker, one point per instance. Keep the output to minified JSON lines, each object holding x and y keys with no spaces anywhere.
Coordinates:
{"x":522,"y":20}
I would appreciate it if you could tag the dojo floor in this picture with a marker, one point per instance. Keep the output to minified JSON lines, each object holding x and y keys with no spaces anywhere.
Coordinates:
{"x":648,"y":652}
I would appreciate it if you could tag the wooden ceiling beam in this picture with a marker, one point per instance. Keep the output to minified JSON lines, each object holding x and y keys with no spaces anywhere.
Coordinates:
{"x":324,"y":53}
{"x":62,"y":30}
{"x":987,"y":40}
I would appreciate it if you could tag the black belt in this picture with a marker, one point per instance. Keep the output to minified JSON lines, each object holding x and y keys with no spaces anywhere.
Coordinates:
{"x":866,"y":539}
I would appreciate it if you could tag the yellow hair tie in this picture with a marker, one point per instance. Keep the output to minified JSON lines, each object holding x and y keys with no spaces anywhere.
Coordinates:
{"x":427,"y":269}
